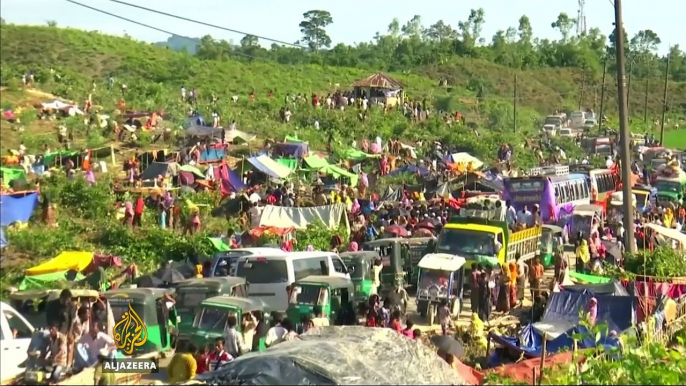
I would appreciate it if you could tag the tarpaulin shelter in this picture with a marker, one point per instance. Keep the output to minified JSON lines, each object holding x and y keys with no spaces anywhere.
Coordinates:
{"x":464,"y":158}
{"x":219,"y":244}
{"x":9,"y":174}
{"x":48,"y":280}
{"x":268,"y":166}
{"x":65,"y":261}
{"x":228,"y":179}
{"x":17,"y":207}
{"x":410,"y":169}
{"x":392,"y":194}
{"x":290,"y":163}
{"x":298,"y":150}
{"x":614,"y":288}
{"x":157,"y":169}
{"x":341,"y":355}
{"x":59,"y":157}
{"x":232,"y":135}
{"x":522,"y":372}
{"x":319,"y":163}
{"x":189,"y":173}
{"x":292,"y":139}
{"x":192,"y":169}
{"x":357,"y":155}
{"x":561,"y":321}
{"x":316,"y":161}
{"x":285,"y":217}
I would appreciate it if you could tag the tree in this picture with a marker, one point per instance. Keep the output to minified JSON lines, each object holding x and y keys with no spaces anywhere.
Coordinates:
{"x":471,"y":29}
{"x":564,"y":24}
{"x":525,"y":30}
{"x":249,"y":41}
{"x":612,"y":42}
{"x":413,"y":28}
{"x":645,"y":42}
{"x":313,"y":29}
{"x":51,"y":23}
{"x":441,"y":32}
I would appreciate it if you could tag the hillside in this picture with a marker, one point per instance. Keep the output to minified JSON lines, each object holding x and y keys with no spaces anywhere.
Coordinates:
{"x":92,"y":55}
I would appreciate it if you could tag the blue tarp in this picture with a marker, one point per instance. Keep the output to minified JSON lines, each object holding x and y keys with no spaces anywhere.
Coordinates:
{"x":297,"y":150}
{"x":270,"y":170}
{"x":3,"y":240}
{"x":17,"y":207}
{"x":212,"y":154}
{"x":230,"y":180}
{"x":411,"y":169}
{"x":563,"y":312}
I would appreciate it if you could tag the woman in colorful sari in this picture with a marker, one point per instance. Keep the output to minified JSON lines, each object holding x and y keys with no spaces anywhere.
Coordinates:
{"x":513,"y":284}
{"x":583,"y":256}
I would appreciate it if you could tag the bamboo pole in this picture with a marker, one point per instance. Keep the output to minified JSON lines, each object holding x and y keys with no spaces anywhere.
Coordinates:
{"x":544,"y":354}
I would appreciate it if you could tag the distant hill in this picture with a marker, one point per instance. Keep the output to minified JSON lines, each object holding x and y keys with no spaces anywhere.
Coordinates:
{"x":180,"y":43}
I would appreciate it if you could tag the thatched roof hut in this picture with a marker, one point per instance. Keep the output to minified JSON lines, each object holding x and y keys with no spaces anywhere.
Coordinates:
{"x":380,"y":88}
{"x":379,"y":80}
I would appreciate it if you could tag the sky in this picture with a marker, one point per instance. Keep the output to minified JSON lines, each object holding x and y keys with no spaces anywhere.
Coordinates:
{"x":354,"y":21}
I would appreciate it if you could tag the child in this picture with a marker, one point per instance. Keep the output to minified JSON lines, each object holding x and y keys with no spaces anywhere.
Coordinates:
{"x":202,"y":357}
{"x":445,"y":317}
{"x":408,"y":332}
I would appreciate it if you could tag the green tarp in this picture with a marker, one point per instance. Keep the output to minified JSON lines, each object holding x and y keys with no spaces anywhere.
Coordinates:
{"x":10,"y":174}
{"x":45,"y":281}
{"x":49,"y":158}
{"x":588,"y":279}
{"x":338,"y":171}
{"x":357,"y":155}
{"x":219,"y":244}
{"x":192,"y":169}
{"x":316,"y":162}
{"x":292,"y":139}
{"x":290,"y":163}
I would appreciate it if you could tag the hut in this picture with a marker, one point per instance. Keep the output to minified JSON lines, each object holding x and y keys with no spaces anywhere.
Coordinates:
{"x":380,"y":88}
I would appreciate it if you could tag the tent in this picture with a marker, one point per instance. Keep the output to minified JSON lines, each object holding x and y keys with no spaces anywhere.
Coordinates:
{"x":464,"y":158}
{"x":48,"y":280}
{"x":614,"y":288}
{"x":357,"y":155}
{"x":561,"y":321}
{"x":269,"y":167}
{"x":232,"y":135}
{"x":316,"y":161}
{"x":584,"y":278}
{"x":9,"y":174}
{"x":292,"y":139}
{"x":157,"y":169}
{"x":285,"y":217}
{"x":230,"y":181}
{"x":192,"y":169}
{"x":68,"y":260}
{"x":17,"y":207}
{"x":392,"y":195}
{"x":341,"y":355}
{"x":410,"y":169}
{"x":297,"y":150}
{"x":58,"y":156}
{"x":290,"y":163}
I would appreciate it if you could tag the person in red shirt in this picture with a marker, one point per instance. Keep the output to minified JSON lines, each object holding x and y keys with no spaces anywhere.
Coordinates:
{"x":218,"y":357}
{"x":138,"y":211}
{"x":395,"y":322}
{"x":202,"y":358}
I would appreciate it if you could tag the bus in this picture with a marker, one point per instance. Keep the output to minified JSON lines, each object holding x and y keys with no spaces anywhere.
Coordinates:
{"x":603,"y":182}
{"x":556,"y":193}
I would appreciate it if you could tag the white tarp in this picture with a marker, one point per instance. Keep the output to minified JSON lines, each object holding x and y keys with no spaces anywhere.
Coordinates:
{"x":299,"y":218}
{"x":466,"y":158}
{"x":231,"y":135}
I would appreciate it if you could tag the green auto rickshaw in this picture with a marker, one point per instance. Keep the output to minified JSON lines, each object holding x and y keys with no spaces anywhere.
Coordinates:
{"x":335,"y":296}
{"x":360,"y":267}
{"x":551,"y":244}
{"x":403,"y":252}
{"x":213,"y":313}
{"x":191,"y":292}
{"x":145,"y":319}
{"x":31,"y":303}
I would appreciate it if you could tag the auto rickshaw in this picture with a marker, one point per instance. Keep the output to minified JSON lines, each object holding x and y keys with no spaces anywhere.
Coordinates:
{"x":150,"y":308}
{"x":615,"y":208}
{"x":335,"y":295}
{"x":551,"y":243}
{"x":191,"y":292}
{"x":212,"y":315}
{"x":582,"y":218}
{"x":31,"y":303}
{"x":646,"y":197}
{"x":360,"y":267}
{"x":441,"y":278}
{"x":401,"y":255}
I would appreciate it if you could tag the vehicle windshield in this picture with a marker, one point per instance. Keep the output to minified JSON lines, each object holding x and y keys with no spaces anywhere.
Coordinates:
{"x":310,"y":295}
{"x":463,"y":241}
{"x":119,"y":308}
{"x":360,"y":268}
{"x":262,"y":271}
{"x":212,"y":318}
{"x":191,"y":299}
{"x":641,"y":199}
{"x":668,"y":186}
{"x":430,"y":278}
{"x":581,"y":223}
{"x":589,"y":122}
{"x":226,"y":262}
{"x":553,"y":121}
{"x":546,"y":237}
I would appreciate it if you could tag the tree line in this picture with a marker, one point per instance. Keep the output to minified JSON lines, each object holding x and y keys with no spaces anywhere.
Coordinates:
{"x":409,"y":45}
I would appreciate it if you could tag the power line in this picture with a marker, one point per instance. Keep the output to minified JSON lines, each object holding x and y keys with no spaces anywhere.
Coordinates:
{"x":208,"y":24}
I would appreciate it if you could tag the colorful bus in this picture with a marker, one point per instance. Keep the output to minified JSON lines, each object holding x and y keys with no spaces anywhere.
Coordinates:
{"x":556,"y":195}
{"x":601,"y":182}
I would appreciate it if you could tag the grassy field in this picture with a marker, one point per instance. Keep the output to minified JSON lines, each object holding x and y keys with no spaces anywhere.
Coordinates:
{"x":676,"y":139}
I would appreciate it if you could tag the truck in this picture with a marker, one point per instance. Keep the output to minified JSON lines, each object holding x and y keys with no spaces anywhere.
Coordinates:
{"x":671,"y":190}
{"x":486,"y":241}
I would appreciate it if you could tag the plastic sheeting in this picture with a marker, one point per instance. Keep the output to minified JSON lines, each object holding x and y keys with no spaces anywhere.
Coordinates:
{"x":46,"y":281}
{"x":340,"y":356}
{"x":212,"y":154}
{"x":69,"y":260}
{"x":613,"y":289}
{"x":285,"y":217}
{"x":410,"y":169}
{"x":269,"y":167}
{"x":297,"y":150}
{"x":17,"y":207}
{"x":157,"y":169}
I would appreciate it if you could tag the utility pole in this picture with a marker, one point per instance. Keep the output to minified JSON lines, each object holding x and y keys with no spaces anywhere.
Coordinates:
{"x":602,"y":96}
{"x":514,"y":103}
{"x":583,"y":86}
{"x":628,"y":87}
{"x":625,"y":137}
{"x":664,"y":105}
{"x":645,"y":102}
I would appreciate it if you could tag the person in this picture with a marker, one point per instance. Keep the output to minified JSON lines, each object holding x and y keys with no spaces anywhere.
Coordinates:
{"x":395,"y":322}
{"x":535,"y":276}
{"x":399,"y":297}
{"x":202,"y":359}
{"x":592,"y":311}
{"x":513,"y":283}
{"x":474,"y":278}
{"x":277,"y":332}
{"x":90,"y":345}
{"x":485,"y":304}
{"x":233,"y":340}
{"x":560,"y":267}
{"x":445,"y":317}
{"x":219,"y":357}
{"x":249,"y":329}
{"x":376,"y":275}
{"x":522,"y":274}
{"x":290,"y":331}
{"x":60,"y":311}
{"x":503,"y":303}
{"x":101,"y":378}
{"x":319,"y":319}
{"x":138,"y":212}
{"x":583,"y":255}
{"x":79,"y":327}
{"x":183,"y":367}
{"x":58,"y":352}
{"x":408,"y":331}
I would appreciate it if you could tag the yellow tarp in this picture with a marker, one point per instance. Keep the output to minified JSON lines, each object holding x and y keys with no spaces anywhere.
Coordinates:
{"x":65,"y":261}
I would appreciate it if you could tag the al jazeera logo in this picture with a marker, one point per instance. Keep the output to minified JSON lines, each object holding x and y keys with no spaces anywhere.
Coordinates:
{"x":130,"y":333}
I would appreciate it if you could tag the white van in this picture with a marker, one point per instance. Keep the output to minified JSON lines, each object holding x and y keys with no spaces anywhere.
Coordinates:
{"x":270,"y":276}
{"x":15,"y":337}
{"x":224,"y":263}
{"x":578,"y":118}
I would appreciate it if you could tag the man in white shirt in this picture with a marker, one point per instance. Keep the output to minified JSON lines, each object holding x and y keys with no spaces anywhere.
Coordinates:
{"x":561,"y":155}
{"x":376,"y":276}
{"x":319,"y":319}
{"x":233,"y":340}
{"x":608,"y":162}
{"x":277,"y":333}
{"x":523,"y":216}
{"x":90,"y":344}
{"x":254,"y":214}
{"x":510,"y":213}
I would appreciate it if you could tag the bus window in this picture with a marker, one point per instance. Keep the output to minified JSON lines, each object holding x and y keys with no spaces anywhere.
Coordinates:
{"x":577,"y":193}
